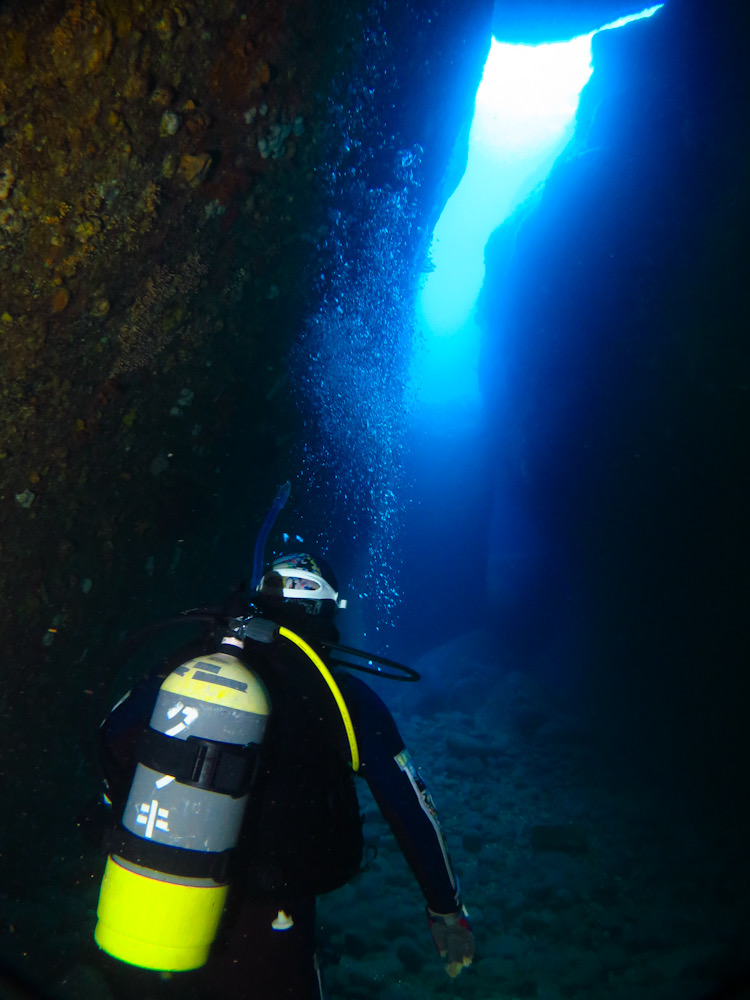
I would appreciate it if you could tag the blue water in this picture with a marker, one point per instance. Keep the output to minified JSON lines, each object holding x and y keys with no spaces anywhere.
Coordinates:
{"x":351,"y":367}
{"x":397,"y":484}
{"x":395,"y":475}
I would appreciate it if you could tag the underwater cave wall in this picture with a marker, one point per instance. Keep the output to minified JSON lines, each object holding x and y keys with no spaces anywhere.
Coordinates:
{"x":157,"y":222}
{"x":165,"y":230}
{"x":616,"y":372}
{"x":164,"y":227}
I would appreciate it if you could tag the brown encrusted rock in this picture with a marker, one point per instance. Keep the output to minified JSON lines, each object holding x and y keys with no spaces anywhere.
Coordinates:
{"x":194,"y":169}
{"x":81,"y":43}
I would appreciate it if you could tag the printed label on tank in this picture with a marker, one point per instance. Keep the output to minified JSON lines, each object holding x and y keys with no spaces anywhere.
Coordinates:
{"x":151,"y":816}
{"x":189,"y":714}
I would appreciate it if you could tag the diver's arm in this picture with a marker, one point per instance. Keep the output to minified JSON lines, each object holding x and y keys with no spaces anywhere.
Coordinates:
{"x":117,"y":737}
{"x":407,"y":806}
{"x":115,"y":741}
{"x":402,"y":797}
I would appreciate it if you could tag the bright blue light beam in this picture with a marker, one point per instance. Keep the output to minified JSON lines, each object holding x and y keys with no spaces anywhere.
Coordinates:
{"x":523,"y":118}
{"x":632,"y":17}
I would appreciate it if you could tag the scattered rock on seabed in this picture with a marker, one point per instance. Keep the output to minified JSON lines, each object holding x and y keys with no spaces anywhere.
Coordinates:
{"x":575,"y":886}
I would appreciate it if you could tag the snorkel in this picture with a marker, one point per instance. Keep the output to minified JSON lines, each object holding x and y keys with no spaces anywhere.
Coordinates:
{"x":282,"y":495}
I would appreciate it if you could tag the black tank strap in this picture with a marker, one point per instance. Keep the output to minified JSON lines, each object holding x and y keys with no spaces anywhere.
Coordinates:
{"x":209,"y":764}
{"x":168,"y":859}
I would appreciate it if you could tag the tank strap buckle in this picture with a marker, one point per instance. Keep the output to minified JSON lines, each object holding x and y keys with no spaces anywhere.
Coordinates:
{"x":225,"y":768}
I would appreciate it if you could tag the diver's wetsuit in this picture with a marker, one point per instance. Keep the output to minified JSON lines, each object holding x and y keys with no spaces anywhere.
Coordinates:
{"x":302,"y":831}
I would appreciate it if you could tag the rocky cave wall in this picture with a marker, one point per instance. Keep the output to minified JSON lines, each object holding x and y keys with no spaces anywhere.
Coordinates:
{"x":163,"y":232}
{"x":617,"y":373}
{"x":156,"y":224}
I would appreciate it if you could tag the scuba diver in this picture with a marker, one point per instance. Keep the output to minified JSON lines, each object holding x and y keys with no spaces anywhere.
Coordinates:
{"x":230,"y":784}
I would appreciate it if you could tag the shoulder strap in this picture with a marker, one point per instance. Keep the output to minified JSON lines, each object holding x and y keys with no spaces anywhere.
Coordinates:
{"x":338,"y":697}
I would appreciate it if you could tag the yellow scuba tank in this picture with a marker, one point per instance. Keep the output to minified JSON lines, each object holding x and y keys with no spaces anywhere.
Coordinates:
{"x":166,"y":878}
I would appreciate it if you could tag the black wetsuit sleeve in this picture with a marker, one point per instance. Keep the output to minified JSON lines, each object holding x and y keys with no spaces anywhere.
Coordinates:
{"x":401,"y":795}
{"x":116,"y":741}
{"x":118,"y":734}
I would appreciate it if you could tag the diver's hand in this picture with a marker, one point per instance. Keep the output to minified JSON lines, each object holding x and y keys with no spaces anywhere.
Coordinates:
{"x":453,"y":939}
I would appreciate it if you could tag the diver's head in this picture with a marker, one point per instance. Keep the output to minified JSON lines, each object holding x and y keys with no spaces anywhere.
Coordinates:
{"x":299,"y":585}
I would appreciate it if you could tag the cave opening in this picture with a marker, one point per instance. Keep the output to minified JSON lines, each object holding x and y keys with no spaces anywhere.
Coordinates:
{"x":524,"y":120}
{"x":524,"y":117}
